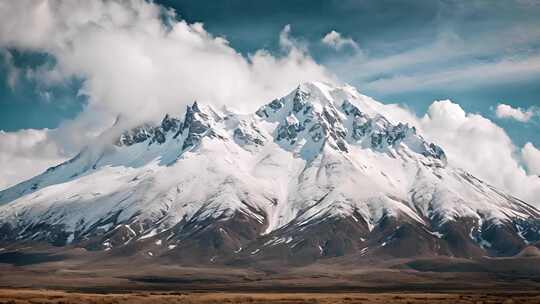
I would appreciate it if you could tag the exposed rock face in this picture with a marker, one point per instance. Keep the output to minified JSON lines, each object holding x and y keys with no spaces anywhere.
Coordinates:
{"x":148,"y":132}
{"x":319,"y":173}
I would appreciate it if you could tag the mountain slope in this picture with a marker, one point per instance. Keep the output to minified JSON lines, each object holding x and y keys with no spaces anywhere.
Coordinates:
{"x":318,"y":173}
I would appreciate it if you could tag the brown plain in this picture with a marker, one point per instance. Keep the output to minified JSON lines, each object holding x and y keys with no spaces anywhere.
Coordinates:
{"x":23,"y":296}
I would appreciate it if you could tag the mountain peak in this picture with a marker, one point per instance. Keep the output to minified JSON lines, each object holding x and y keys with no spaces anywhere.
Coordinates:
{"x":194,"y":107}
{"x":312,"y":171}
{"x":317,"y":114}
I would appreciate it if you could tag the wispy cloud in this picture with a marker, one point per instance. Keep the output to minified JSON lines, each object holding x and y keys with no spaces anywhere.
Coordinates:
{"x":13,"y":72}
{"x":519,"y":114}
{"x":507,"y":70}
{"x":448,"y":60}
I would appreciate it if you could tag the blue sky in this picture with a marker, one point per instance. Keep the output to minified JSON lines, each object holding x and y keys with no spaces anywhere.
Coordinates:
{"x":70,"y":68}
{"x":423,"y":38}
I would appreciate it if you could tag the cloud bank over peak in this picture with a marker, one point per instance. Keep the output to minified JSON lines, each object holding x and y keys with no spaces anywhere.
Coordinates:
{"x":137,"y":59}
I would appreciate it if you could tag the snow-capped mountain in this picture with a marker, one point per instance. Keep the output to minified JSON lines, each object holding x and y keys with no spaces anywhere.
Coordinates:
{"x":318,"y":173}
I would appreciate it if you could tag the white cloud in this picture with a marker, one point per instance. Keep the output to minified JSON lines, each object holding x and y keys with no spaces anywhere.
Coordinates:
{"x":507,"y":111}
{"x":336,"y":41}
{"x":479,"y":146}
{"x":132,"y":63}
{"x":285,"y":40}
{"x":531,"y":158}
{"x":135,"y":64}
{"x":25,"y":153}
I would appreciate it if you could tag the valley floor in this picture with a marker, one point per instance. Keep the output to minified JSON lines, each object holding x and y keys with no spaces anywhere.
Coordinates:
{"x":54,"y":275}
{"x":23,"y":296}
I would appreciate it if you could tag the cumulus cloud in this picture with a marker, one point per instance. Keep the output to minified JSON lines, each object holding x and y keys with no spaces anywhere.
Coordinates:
{"x":531,"y":158}
{"x":507,"y":111}
{"x":479,"y":146}
{"x":137,"y":59}
{"x":335,"y":40}
{"x":134,"y":63}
